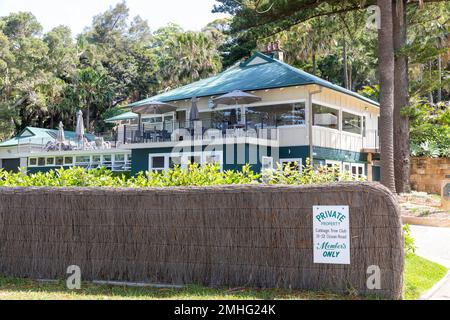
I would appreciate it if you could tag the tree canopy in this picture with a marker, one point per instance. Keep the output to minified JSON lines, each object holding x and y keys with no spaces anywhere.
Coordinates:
{"x":46,"y":78}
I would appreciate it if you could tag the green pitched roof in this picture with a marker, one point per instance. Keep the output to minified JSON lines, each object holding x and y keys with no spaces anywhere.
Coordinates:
{"x":39,"y":136}
{"x":124,"y":116}
{"x":259,"y":72}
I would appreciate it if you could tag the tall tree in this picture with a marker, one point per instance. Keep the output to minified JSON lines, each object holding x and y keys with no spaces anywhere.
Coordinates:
{"x":401,"y":99}
{"x":386,"y":68}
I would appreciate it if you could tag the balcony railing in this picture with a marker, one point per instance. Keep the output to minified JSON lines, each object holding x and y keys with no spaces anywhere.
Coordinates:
{"x":176,"y":131}
{"x":371,"y":139}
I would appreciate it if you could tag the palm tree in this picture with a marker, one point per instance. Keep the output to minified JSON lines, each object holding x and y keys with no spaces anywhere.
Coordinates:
{"x":386,"y":69}
{"x":94,"y":92}
{"x":307,"y":41}
{"x":185,"y":56}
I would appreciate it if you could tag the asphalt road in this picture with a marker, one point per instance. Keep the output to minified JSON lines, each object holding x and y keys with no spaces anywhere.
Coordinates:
{"x":434,"y":244}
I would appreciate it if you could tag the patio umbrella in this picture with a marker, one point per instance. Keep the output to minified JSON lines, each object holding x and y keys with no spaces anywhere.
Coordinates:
{"x":236,"y":97}
{"x":154,"y":107}
{"x":194,"y":114}
{"x":80,"y":126}
{"x":60,"y":136}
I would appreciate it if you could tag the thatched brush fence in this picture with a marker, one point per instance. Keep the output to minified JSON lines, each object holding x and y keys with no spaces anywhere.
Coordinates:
{"x":252,"y":236}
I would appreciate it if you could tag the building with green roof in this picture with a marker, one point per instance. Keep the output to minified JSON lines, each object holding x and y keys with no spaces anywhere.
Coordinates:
{"x":26,"y":150}
{"x":292,"y":116}
{"x":299,"y":116}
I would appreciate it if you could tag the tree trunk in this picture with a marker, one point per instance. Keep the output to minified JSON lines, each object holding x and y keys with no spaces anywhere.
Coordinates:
{"x":344,"y":58}
{"x":430,"y":65}
{"x":350,"y":76}
{"x":314,"y":62}
{"x":401,"y":99}
{"x":386,"y":73}
{"x":88,"y":120}
{"x":440,"y":79}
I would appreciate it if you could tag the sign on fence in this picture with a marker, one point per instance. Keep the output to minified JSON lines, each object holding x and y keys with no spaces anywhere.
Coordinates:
{"x":331,"y":234}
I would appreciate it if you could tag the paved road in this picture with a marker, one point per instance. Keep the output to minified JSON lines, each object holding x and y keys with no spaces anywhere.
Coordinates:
{"x":434,"y":244}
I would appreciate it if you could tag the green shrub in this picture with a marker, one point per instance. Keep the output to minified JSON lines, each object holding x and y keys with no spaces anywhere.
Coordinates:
{"x":193,"y":175}
{"x":409,"y":240}
{"x":430,"y":129}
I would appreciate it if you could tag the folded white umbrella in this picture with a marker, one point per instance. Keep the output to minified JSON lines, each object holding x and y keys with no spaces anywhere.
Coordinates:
{"x":79,"y":132}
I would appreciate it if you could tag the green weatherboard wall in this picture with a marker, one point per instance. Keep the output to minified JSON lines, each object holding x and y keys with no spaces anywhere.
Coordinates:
{"x":141,"y":156}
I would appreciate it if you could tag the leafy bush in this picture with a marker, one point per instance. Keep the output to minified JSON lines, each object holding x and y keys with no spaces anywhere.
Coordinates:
{"x":194,"y":175}
{"x":430,"y":129}
{"x":309,"y":175}
{"x":409,"y":240}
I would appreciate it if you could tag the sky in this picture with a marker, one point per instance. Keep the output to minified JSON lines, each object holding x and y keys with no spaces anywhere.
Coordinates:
{"x":77,"y":14}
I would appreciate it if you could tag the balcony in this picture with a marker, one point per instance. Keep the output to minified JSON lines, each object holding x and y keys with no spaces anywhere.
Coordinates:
{"x":178,"y":131}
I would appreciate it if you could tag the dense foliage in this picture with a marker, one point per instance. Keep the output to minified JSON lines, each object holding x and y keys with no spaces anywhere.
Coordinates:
{"x":331,"y":39}
{"x":430,"y":129}
{"x":194,"y":175}
{"x":46,"y":78}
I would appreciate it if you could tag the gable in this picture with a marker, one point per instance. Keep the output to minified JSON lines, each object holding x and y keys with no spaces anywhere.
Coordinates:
{"x":26,"y":133}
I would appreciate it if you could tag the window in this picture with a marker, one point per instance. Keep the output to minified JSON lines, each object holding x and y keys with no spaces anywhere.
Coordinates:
{"x":59,"y":161}
{"x":194,"y":159}
{"x":358,"y":170}
{"x":82,"y":160}
{"x":351,"y":123}
{"x":33,"y":162}
{"x":163,"y":162}
{"x":325,"y":117}
{"x":334,"y":167}
{"x":213,"y":158}
{"x":119,"y":158}
{"x":152,"y":120}
{"x":347,"y":167}
{"x":97,"y":159}
{"x":157,"y":163}
{"x":68,"y":161}
{"x":41,"y":162}
{"x":290,"y":115}
{"x":276,"y":115}
{"x":294,"y":164}
{"x":222,"y":119}
{"x":267,"y":163}
{"x":50,"y":161}
{"x":174,"y":161}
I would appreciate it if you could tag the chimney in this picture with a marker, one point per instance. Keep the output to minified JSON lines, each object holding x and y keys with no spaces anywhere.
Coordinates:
{"x":274,"y":50}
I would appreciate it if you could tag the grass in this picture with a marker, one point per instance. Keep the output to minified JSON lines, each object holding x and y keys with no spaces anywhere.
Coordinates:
{"x":420,"y":276}
{"x":21,"y":289}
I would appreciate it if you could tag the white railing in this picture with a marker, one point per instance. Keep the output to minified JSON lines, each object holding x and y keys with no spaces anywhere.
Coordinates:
{"x":330,"y":138}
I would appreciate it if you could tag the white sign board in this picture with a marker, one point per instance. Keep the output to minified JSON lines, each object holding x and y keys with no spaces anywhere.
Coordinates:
{"x":331,"y":234}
